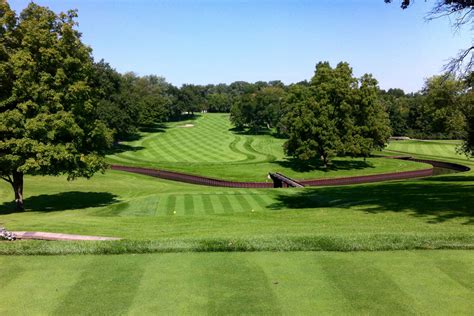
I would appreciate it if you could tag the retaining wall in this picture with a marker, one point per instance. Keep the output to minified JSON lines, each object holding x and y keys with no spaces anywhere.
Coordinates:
{"x":193,"y":179}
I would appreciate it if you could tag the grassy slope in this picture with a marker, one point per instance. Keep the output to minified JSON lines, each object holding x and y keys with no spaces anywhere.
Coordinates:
{"x":143,"y":208}
{"x":138,"y":207}
{"x":211,"y":149}
{"x":429,"y":148}
{"x":386,"y":283}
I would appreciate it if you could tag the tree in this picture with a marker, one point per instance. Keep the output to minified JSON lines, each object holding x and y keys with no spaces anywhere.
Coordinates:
{"x":312,"y":133}
{"x":258,"y":110}
{"x":442,"y":106}
{"x":116,"y":105}
{"x":48,"y":123}
{"x":336,"y":115}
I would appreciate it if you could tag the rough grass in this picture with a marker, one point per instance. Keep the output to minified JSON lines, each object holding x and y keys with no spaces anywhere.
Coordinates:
{"x":259,"y":283}
{"x":211,"y":148}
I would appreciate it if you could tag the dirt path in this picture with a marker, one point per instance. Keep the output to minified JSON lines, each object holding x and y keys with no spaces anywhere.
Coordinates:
{"x":56,"y":236}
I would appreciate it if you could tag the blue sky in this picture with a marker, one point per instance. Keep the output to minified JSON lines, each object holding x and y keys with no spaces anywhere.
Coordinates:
{"x":213,"y":41}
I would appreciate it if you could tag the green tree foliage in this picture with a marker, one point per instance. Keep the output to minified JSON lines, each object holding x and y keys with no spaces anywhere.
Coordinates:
{"x":258,"y":110}
{"x":115,"y":105}
{"x":48,"y":122}
{"x":311,"y":129}
{"x":439,"y":110}
{"x":336,"y":115}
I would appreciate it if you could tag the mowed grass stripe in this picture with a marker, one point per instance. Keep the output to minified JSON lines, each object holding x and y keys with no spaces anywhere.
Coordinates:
{"x":183,"y":152}
{"x":199,"y":208}
{"x":227,"y":206}
{"x":188,"y":204}
{"x":207,"y":203}
{"x":244,"y":202}
{"x":170,"y":204}
{"x":172,"y":154}
{"x":259,"y":201}
{"x":180,"y":205}
{"x":121,"y":281}
{"x":205,"y":149}
{"x":210,"y":146}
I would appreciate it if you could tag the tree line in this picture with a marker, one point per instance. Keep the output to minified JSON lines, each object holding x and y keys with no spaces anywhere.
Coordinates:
{"x":61,"y":111}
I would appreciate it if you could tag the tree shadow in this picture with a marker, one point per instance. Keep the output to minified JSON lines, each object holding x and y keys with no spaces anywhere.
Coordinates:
{"x":71,"y":200}
{"x":451,"y":178}
{"x":250,"y":132}
{"x":121,"y":148}
{"x":154,"y":128}
{"x":185,"y":117}
{"x":438,"y":202}
{"x":316,"y":164}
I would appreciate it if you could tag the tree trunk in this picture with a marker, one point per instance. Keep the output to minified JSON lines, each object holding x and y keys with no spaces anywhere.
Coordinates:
{"x":325,"y":160}
{"x":18,"y":189}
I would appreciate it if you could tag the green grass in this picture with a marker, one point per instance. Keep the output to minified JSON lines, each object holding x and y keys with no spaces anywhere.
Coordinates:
{"x":385,"y":283}
{"x":191,"y":249}
{"x":212,"y":149}
{"x":427,"y":213}
{"x":432,"y":148}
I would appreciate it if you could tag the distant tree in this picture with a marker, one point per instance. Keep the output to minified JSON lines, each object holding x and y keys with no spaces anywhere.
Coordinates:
{"x":48,"y":122}
{"x":219,"y":102}
{"x":191,"y":98}
{"x":257,"y":110}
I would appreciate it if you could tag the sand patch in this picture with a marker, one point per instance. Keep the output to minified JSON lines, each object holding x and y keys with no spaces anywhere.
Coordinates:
{"x":187,"y":125}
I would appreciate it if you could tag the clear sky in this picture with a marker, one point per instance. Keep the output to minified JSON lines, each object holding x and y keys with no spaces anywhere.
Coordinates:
{"x":213,"y":41}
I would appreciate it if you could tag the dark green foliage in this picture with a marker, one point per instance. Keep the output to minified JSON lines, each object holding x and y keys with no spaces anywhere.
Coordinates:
{"x":115,"y":106}
{"x":336,"y":115}
{"x":259,"y":109}
{"x":439,"y":111}
{"x":48,"y":122}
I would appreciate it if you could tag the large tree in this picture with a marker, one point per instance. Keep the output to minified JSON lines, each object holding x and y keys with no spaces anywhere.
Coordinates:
{"x":336,"y":115}
{"x":48,"y":123}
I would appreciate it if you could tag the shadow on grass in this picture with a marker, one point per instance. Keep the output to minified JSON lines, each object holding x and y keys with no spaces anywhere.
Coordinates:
{"x":63,"y":201}
{"x":121,"y":148}
{"x":154,"y":128}
{"x":438,"y":202}
{"x":450,"y":178}
{"x":248,"y":131}
{"x":305,"y":166}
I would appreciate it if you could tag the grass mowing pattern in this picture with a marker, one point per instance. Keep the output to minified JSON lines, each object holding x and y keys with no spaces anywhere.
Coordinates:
{"x":157,"y":215}
{"x":431,"y":148}
{"x":211,"y":149}
{"x":386,"y":283}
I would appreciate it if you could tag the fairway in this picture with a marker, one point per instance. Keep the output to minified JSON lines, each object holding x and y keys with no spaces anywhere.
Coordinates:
{"x":211,"y":148}
{"x":388,"y":283}
{"x":431,"y":148}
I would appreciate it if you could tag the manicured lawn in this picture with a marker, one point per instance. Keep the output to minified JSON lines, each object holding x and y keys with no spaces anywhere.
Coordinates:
{"x":433,"y":148}
{"x":136,"y":207}
{"x":191,"y":249}
{"x":383,"y":283}
{"x":210,"y":148}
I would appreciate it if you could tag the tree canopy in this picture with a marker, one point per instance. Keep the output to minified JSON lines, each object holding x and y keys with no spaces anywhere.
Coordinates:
{"x":48,"y":121}
{"x":337,"y":114}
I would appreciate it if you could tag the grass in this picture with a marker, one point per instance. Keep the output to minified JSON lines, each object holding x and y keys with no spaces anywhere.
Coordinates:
{"x":388,"y":283}
{"x":431,"y":148}
{"x":211,"y":148}
{"x":159,"y":215}
{"x":191,"y":249}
